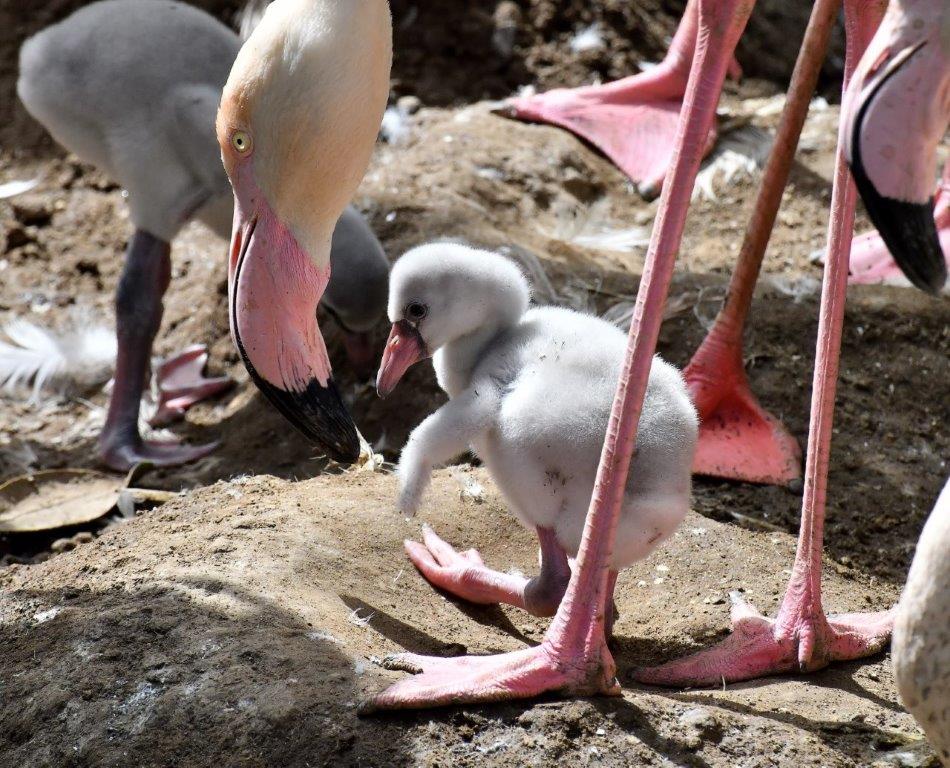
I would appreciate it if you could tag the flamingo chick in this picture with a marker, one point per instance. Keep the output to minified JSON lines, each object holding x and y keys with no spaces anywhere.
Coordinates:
{"x":133,"y":88}
{"x":530,"y":392}
{"x":921,"y":645}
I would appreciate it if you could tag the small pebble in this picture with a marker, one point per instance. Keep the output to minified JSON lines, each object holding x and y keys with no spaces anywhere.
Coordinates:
{"x":409,"y":105}
{"x":62,"y":545}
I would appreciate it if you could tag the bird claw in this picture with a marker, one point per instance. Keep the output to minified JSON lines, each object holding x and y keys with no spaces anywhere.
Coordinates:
{"x":759,"y":646}
{"x":475,"y":679}
{"x":122,"y":456}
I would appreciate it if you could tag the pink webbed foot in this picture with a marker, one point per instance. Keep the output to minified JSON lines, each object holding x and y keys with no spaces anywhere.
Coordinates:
{"x":632,"y":121}
{"x":180,"y":383}
{"x":871,"y":262}
{"x":738,"y":438}
{"x":463,"y":574}
{"x":802,"y":641}
{"x":121,"y":454}
{"x":473,"y":679}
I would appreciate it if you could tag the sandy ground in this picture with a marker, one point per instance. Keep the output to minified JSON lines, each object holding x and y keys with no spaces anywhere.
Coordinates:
{"x":229,"y":626}
{"x":238,"y":624}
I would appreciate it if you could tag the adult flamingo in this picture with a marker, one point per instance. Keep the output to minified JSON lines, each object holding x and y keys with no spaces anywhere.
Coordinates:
{"x":297,"y":125}
{"x":573,"y":656}
{"x":144,"y":112}
{"x":739,"y":439}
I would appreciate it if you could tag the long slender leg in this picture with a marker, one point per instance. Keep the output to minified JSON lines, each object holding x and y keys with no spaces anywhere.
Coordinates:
{"x":633,"y":120}
{"x":138,"y":305}
{"x":738,"y":439}
{"x":465,"y":575}
{"x":573,"y":657}
{"x":802,"y":637}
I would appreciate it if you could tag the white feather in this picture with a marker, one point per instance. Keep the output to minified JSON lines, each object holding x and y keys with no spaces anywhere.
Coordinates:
{"x":591,"y":227}
{"x":738,"y":154}
{"x":40,"y":358}
{"x":14,"y":188}
{"x":396,"y":125}
{"x":588,"y":39}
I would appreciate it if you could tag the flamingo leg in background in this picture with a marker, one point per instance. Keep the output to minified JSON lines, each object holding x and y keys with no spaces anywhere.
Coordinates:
{"x":802,"y":637}
{"x":632,"y":121}
{"x":138,"y":306}
{"x":573,"y":658}
{"x":181,"y":383}
{"x":738,"y":438}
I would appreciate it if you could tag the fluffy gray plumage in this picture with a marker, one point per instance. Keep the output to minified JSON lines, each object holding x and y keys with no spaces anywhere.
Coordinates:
{"x":133,"y":88}
{"x":531,"y":392}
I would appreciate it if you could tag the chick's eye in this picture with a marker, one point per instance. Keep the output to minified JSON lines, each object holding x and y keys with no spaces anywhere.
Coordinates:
{"x":241,"y":141}
{"x":416,"y":311}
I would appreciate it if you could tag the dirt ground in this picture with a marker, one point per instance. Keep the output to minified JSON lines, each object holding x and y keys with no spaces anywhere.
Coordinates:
{"x":237,"y":624}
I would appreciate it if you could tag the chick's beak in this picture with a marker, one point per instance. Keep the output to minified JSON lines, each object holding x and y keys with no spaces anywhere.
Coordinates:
{"x":274,"y":289}
{"x":404,"y":348}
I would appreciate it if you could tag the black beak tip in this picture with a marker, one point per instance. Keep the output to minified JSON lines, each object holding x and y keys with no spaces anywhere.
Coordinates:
{"x":909,"y":231}
{"x":319,"y":414}
{"x":907,"y":228}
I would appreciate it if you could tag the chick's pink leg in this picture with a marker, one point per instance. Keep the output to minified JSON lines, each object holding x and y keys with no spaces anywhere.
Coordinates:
{"x":465,"y":575}
{"x":573,"y":658}
{"x":802,"y":637}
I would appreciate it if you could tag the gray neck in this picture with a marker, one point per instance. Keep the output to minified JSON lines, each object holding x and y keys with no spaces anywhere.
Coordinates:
{"x":456,"y":361}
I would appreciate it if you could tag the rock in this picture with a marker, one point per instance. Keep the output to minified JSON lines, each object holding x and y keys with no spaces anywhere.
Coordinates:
{"x":409,"y":105}
{"x":703,"y":722}
{"x":62,"y":545}
{"x":33,"y":212}
{"x":18,"y":236}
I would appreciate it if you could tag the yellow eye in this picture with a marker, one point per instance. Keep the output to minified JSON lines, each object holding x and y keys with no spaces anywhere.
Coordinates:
{"x":241,"y":141}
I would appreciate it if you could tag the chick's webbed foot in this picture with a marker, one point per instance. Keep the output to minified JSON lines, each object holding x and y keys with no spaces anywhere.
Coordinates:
{"x":463,"y":574}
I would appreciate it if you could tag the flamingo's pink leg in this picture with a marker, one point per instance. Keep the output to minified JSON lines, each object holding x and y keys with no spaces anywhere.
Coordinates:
{"x":573,"y":657}
{"x":632,"y":121}
{"x":181,"y":383}
{"x":802,"y":637}
{"x":738,"y":438}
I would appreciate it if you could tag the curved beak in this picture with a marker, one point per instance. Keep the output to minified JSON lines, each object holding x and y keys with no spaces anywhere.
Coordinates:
{"x":403,"y":348}
{"x":906,"y":225}
{"x":274,"y":288}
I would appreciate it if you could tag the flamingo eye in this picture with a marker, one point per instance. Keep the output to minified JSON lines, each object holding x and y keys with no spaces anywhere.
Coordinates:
{"x":416,"y":311}
{"x":241,"y":141}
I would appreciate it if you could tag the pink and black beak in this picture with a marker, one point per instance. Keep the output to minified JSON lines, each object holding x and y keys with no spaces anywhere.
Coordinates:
{"x":404,"y":348}
{"x":274,"y":289}
{"x":906,"y":226}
